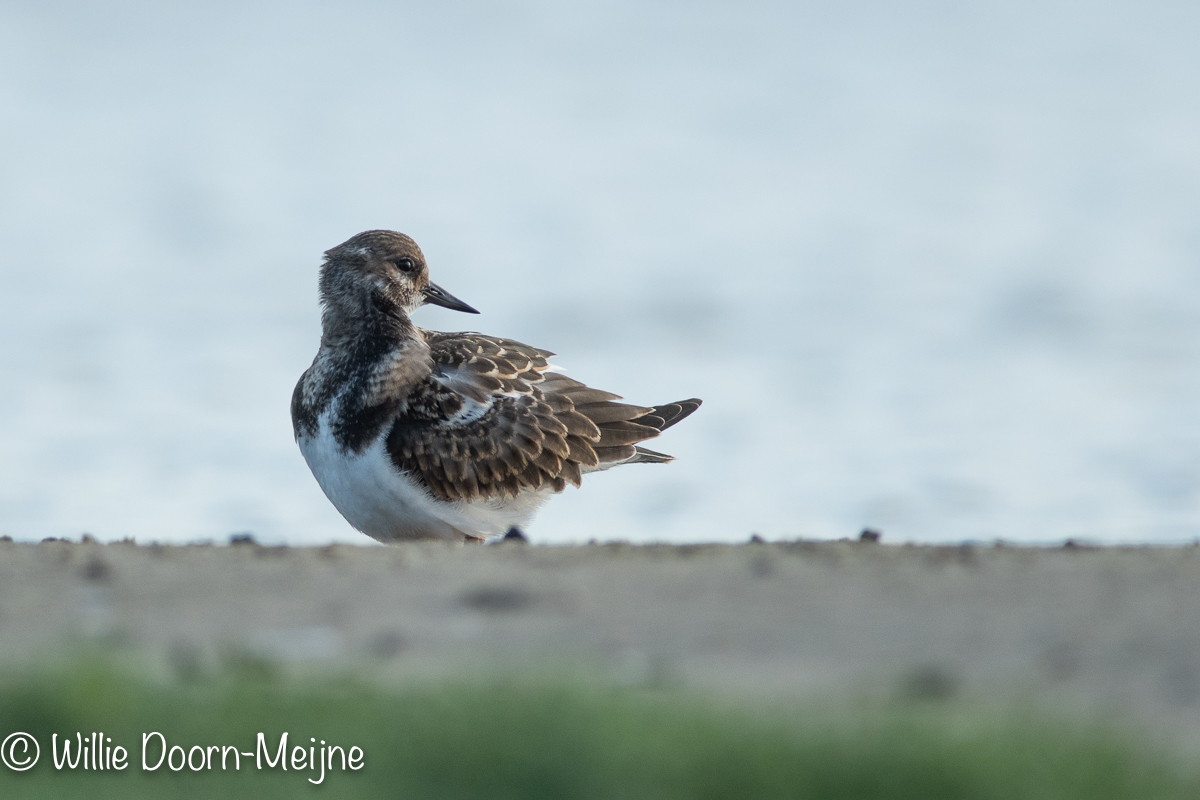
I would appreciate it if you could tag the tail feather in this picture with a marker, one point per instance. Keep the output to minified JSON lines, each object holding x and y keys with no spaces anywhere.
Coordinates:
{"x":642,"y":455}
{"x":623,"y":426}
{"x":662,"y":417}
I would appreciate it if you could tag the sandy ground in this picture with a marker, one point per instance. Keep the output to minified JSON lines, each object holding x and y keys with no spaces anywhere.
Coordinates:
{"x":1117,"y":630}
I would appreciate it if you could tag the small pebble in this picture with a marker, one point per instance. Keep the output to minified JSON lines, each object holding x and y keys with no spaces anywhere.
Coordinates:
{"x":498,"y":599}
{"x":515,"y":535}
{"x":95,"y":570}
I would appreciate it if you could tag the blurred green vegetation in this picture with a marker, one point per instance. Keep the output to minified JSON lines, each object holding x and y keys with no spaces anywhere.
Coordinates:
{"x":562,"y":739}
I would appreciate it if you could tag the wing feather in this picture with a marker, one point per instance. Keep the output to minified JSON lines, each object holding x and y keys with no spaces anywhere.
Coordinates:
{"x":492,"y":421}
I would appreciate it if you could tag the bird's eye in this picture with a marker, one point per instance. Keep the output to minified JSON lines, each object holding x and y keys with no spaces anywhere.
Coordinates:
{"x":405,"y":265}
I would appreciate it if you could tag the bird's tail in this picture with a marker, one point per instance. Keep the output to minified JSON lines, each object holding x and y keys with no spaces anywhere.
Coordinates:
{"x":662,"y":417}
{"x":642,"y":455}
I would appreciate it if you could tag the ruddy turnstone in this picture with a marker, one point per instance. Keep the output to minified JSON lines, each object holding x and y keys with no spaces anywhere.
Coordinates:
{"x":416,"y":434}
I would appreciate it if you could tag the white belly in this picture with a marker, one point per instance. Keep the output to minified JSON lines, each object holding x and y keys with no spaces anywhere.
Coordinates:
{"x":386,"y":505}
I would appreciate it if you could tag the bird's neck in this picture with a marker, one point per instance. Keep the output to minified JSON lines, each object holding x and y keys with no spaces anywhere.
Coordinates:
{"x":377,"y":320}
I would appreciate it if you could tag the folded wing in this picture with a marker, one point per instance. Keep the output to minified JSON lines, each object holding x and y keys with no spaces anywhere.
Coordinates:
{"x":493,"y":420}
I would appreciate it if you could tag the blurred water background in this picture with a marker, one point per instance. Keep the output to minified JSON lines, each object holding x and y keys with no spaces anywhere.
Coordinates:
{"x":934,"y":267}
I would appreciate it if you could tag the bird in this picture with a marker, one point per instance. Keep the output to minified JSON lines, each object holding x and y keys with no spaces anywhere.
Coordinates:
{"x":418,"y":434}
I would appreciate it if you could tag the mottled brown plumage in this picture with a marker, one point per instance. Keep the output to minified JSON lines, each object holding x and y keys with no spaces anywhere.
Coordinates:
{"x":540,"y":429}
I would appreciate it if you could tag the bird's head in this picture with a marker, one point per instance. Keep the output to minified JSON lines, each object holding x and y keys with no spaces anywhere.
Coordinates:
{"x":381,"y":267}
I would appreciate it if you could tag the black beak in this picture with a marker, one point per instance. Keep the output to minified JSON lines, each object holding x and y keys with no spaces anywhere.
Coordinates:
{"x":440,"y":297}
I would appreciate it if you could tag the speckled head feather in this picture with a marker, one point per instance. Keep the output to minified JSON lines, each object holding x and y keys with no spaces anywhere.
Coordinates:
{"x":378,"y":271}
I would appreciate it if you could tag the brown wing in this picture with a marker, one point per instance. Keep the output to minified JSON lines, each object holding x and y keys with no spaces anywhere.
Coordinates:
{"x":479,"y":366}
{"x":493,"y":421}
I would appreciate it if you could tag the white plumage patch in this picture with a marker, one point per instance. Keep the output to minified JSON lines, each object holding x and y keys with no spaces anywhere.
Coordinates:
{"x":388,"y":505}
